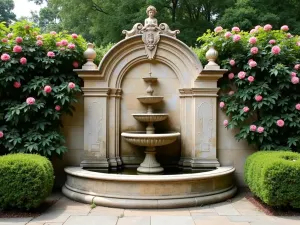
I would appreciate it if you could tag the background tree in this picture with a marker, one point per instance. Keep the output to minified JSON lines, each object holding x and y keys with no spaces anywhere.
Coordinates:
{"x":6,"y":13}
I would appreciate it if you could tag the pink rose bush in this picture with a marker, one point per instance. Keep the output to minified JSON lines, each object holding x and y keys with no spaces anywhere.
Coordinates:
{"x":37,"y":87}
{"x":263,"y":99}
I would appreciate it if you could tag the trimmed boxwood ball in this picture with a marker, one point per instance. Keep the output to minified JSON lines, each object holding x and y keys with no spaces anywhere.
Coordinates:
{"x":274,"y":177}
{"x":26,"y":180}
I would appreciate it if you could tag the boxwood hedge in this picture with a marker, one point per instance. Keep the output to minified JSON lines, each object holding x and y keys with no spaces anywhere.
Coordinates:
{"x":274,"y":177}
{"x":25,"y":181}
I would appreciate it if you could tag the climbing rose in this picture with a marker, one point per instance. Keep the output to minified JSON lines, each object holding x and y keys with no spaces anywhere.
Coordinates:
{"x":23,"y":60}
{"x":252,"y":64}
{"x":250,"y":79}
{"x":268,"y":27}
{"x":280,"y":123}
{"x":232,"y":62}
{"x":19,"y":40}
{"x":17,"y":49}
{"x":235,"y":29}
{"x":30,"y":101}
{"x":1,"y":134}
{"x":39,"y":43}
{"x":64,"y":42}
{"x":252,"y":40}
{"x":253,"y":31}
{"x":260,"y":130}
{"x":71,"y":85}
{"x":57,"y":108}
{"x":39,"y":37}
{"x":47,"y":89}
{"x":258,"y":98}
{"x":295,"y":80}
{"x":246,"y":109}
{"x":4,"y":40}
{"x":51,"y":54}
{"x":276,"y":50}
{"x":241,"y":75}
{"x":228,"y":35}
{"x":5,"y":57}
{"x":293,"y":74}
{"x":298,"y":106}
{"x":289,"y":35}
{"x":71,"y":46}
{"x":222,"y":105}
{"x":254,"y":50}
{"x":252,"y":128}
{"x":53,"y":33}
{"x":236,"y":37}
{"x":257,"y":27}
{"x":58,"y":44}
{"x":75,"y":64}
{"x":17,"y":84}
{"x":284,"y":28}
{"x":231,"y":76}
{"x":297,"y":67}
{"x":225,"y":122}
{"x":74,"y":36}
{"x":272,"y":42}
{"x":218,"y":29}
{"x":10,"y":35}
{"x":231,"y":92}
{"x":62,"y":49}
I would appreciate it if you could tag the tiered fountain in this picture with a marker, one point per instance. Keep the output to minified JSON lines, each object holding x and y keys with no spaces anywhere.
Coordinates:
{"x":149,"y":139}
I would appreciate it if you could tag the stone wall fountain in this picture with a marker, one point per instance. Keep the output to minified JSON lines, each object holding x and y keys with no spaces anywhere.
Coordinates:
{"x":150,"y":139}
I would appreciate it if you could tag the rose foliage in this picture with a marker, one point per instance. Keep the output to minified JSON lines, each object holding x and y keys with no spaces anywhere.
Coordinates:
{"x":37,"y":86}
{"x":260,"y":93}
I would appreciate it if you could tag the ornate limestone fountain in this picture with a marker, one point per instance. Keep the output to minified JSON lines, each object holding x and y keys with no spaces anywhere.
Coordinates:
{"x":149,"y":139}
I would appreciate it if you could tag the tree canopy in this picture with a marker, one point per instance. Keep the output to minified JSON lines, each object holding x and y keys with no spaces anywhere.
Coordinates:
{"x":6,"y":13}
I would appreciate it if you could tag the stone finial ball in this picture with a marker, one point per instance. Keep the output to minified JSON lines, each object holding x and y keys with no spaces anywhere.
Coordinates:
{"x":90,"y":53}
{"x":211,"y":54}
{"x":151,"y":8}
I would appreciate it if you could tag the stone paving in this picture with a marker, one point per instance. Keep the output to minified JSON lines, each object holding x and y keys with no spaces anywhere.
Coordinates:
{"x":237,"y":211}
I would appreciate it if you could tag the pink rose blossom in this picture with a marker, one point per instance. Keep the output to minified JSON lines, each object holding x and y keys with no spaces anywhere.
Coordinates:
{"x":254,"y":50}
{"x":252,"y":128}
{"x":75,"y":64}
{"x":246,"y":109}
{"x":260,"y":130}
{"x":4,"y":40}
{"x":17,"y":84}
{"x":236,"y":37}
{"x":253,"y":31}
{"x":268,"y":27}
{"x":232,"y":62}
{"x":298,"y":43}
{"x":241,"y":75}
{"x":297,"y":67}
{"x":227,"y":35}
{"x":26,"y":27}
{"x":258,"y":27}
{"x":231,"y":92}
{"x":39,"y":43}
{"x":30,"y":101}
{"x":64,"y":42}
{"x":1,"y":134}
{"x":57,"y":108}
{"x":71,"y":46}
{"x":62,"y":49}
{"x":53,"y":33}
{"x":225,"y":123}
{"x":10,"y":35}
{"x":298,"y":106}
{"x":19,"y":40}
{"x":276,"y":50}
{"x":293,"y":74}
{"x":284,"y":28}
{"x":252,"y":40}
{"x":5,"y":57}
{"x":295,"y":80}
{"x":71,"y":85}
{"x":58,"y":44}
{"x":23,"y":60}
{"x":272,"y":42}
{"x":74,"y":36}
{"x":39,"y":37}
{"x":47,"y":89}
{"x":252,"y":64}
{"x":235,"y":29}
{"x":250,"y":79}
{"x":231,"y":76}
{"x":51,"y":54}
{"x":222,"y":105}
{"x":289,"y":35}
{"x":17,"y":49}
{"x":258,"y":98}
{"x":280,"y":123}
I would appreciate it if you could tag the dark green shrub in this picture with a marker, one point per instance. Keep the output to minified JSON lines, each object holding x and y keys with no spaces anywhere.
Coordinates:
{"x":25,"y":181}
{"x":274,"y":177}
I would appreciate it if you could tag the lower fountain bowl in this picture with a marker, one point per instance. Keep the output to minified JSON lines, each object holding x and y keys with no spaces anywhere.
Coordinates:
{"x":150,"y":140}
{"x":149,"y":191}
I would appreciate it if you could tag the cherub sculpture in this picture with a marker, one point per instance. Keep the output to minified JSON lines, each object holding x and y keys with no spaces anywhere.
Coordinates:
{"x":150,"y":21}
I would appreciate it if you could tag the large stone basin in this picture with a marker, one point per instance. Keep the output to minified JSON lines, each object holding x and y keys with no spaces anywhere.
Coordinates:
{"x":149,"y":191}
{"x":150,"y":118}
{"x":150,"y":99}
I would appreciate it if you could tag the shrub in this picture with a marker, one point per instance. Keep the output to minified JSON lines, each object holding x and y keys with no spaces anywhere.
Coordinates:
{"x":26,"y":180}
{"x":274,"y":177}
{"x":37,"y":86}
{"x":260,"y":93}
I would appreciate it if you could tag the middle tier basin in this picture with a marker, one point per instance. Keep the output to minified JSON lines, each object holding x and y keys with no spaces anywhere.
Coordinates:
{"x":150,"y":140}
{"x":150,"y":118}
